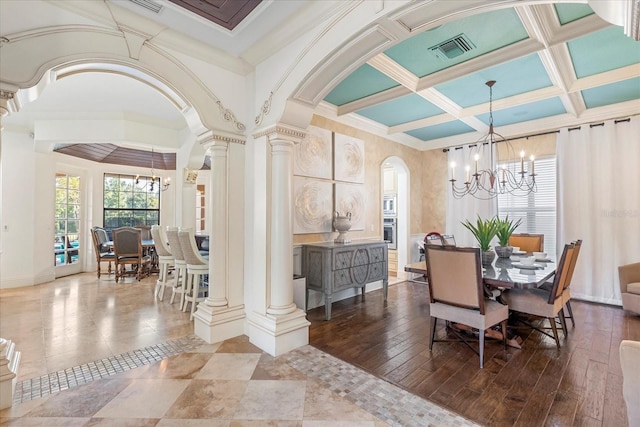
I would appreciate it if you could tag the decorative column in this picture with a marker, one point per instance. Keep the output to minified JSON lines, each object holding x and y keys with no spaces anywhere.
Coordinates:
{"x":281,"y":225}
{"x":221,"y":315}
{"x":276,"y":325}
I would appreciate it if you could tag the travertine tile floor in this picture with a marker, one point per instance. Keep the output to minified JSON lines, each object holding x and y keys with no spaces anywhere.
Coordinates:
{"x":77,"y":324}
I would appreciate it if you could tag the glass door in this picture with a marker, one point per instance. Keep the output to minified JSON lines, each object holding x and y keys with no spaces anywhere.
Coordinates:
{"x":66,"y":245}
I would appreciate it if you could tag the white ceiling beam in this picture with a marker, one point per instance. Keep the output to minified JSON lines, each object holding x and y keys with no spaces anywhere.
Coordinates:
{"x":512,"y":101}
{"x":613,"y":76}
{"x":392,"y":69}
{"x":421,"y":123}
{"x":375,"y":99}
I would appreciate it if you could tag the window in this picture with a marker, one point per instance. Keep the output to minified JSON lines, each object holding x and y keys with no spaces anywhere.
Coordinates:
{"x":67,"y":222}
{"x":130,"y":204}
{"x":537,"y":210}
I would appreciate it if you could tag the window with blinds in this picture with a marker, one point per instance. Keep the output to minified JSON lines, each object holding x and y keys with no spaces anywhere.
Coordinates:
{"x":537,"y":210}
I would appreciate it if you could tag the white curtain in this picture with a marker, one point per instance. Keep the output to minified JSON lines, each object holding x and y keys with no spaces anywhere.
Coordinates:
{"x":467,"y":207}
{"x":599,"y":202}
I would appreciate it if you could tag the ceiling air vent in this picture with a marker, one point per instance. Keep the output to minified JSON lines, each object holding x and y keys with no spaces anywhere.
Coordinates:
{"x":149,"y":5}
{"x":453,"y":47}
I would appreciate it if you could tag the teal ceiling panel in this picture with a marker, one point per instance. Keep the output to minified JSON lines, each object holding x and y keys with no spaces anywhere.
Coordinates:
{"x":512,"y":78}
{"x":602,"y":51}
{"x":440,"y":131}
{"x":524,"y":113}
{"x":401,"y":110}
{"x":363,"y":82}
{"x":478,"y":32}
{"x":569,"y":12}
{"x":613,"y":93}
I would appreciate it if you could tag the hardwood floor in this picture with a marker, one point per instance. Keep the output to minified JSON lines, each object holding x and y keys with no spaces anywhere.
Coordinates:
{"x":580,"y":384}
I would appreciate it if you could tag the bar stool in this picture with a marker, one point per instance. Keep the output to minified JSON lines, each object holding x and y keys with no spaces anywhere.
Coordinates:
{"x":180,"y":284}
{"x":197,"y":269}
{"x":165,"y":260}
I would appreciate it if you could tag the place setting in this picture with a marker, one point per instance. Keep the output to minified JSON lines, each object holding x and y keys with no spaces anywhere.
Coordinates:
{"x":526,"y":263}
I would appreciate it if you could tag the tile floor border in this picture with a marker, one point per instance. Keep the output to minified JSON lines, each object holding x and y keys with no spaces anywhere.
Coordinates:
{"x":389,"y":403}
{"x":54,"y":382}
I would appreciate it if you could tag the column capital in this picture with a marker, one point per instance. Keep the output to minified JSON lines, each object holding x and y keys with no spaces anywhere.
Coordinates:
{"x":211,"y":138}
{"x":6,"y":96}
{"x":281,"y":131}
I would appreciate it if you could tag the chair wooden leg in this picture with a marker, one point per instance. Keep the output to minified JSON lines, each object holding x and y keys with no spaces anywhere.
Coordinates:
{"x":555,"y":331}
{"x":98,"y":269}
{"x":504,"y":333}
{"x":432,"y":333}
{"x":573,"y":323}
{"x":481,"y":347}
{"x":563,"y":322}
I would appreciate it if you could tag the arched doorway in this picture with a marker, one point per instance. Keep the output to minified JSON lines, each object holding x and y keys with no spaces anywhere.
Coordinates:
{"x":402,"y":216}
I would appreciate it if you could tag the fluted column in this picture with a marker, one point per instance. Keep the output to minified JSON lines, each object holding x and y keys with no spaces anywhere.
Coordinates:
{"x":281,"y":285}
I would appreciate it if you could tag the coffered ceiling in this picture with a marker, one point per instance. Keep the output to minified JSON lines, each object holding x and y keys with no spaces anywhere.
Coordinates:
{"x":554,"y":64}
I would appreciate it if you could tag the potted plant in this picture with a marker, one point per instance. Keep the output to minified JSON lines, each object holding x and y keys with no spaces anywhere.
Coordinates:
{"x":484,"y":230}
{"x":506,"y":227}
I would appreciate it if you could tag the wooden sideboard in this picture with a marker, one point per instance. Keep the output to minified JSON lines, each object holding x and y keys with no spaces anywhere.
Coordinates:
{"x":333,"y":267}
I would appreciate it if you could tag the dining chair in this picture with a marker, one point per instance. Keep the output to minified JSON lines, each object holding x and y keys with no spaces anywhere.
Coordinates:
{"x":528,"y":242}
{"x":566,"y":295}
{"x":197,"y":270}
{"x":145,"y":232}
{"x":102,"y":251}
{"x":448,"y":240}
{"x":433,"y":239}
{"x":180,"y":283}
{"x":456,"y":294}
{"x":542,"y":303}
{"x":127,"y":247}
{"x":165,"y":260}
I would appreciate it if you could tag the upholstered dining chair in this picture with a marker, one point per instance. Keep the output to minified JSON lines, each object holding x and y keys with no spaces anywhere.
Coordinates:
{"x":433,"y":238}
{"x":197,"y":269}
{"x":456,"y":293}
{"x":103,"y":253}
{"x":165,"y":260}
{"x":528,"y":242}
{"x":180,"y":283}
{"x":566,"y":294}
{"x":542,"y":303}
{"x":448,"y":240}
{"x":629,"y":276}
{"x":127,"y":247}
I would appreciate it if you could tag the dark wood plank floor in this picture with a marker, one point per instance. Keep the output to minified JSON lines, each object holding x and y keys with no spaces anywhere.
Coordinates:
{"x":578,"y":385}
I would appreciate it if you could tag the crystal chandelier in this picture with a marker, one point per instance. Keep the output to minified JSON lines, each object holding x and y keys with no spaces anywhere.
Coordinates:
{"x":509,"y":178}
{"x":163,"y":185}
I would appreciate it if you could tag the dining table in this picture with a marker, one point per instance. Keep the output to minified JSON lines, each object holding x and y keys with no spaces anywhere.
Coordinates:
{"x":147,"y":246}
{"x":504,"y":273}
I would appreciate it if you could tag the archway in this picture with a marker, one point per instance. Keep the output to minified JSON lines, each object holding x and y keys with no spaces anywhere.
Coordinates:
{"x":403,"y":224}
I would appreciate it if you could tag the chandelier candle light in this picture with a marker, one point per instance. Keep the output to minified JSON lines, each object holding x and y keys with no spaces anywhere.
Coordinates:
{"x":162,"y":185}
{"x":488,"y":183}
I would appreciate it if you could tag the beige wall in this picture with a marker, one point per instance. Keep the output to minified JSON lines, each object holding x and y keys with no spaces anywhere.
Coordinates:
{"x":427,"y":182}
